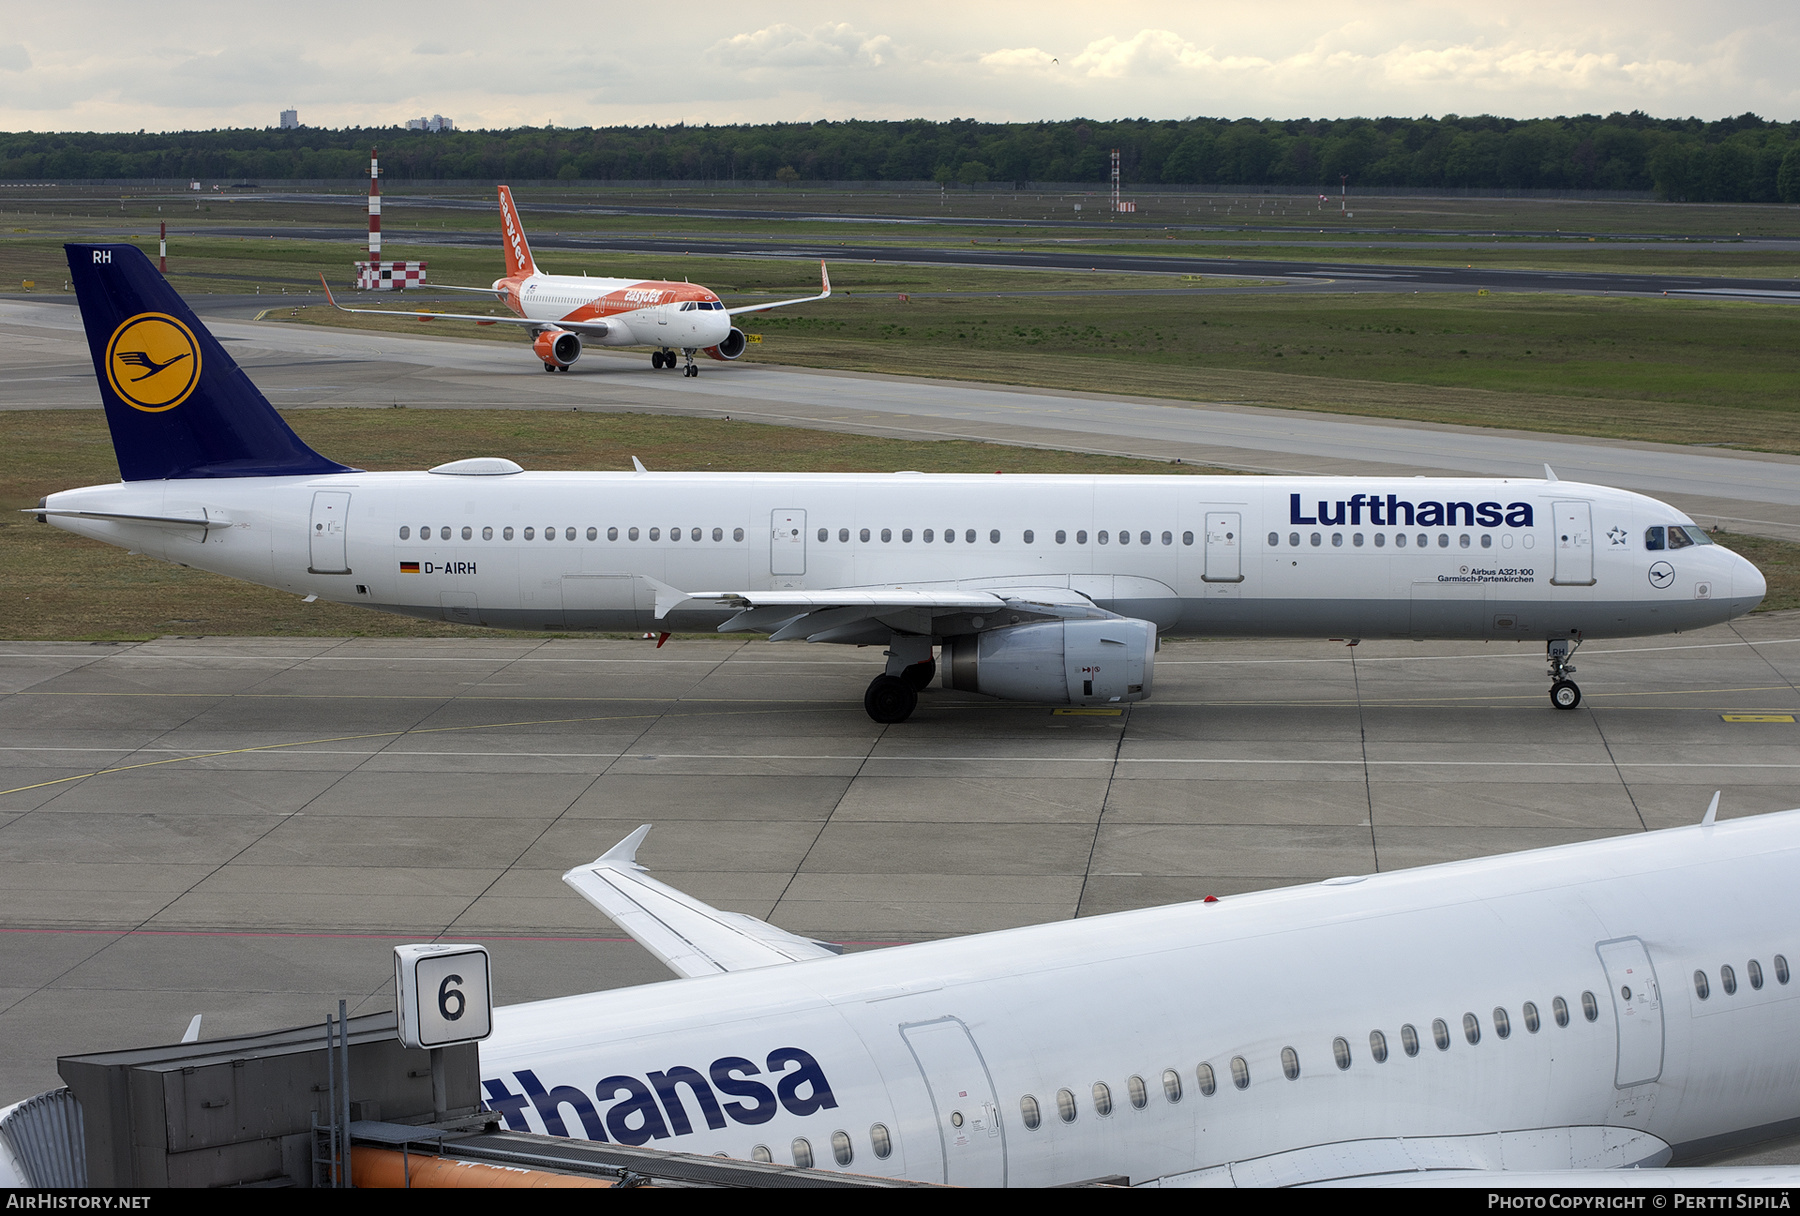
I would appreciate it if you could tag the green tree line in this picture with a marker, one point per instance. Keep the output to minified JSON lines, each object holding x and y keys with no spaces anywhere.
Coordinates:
{"x":1742,"y":159}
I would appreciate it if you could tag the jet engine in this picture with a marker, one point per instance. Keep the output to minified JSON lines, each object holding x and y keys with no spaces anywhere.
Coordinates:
{"x":1063,"y":662}
{"x":731,"y":347}
{"x":557,"y":347}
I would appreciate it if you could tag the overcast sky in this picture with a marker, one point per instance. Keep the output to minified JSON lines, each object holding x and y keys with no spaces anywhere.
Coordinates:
{"x":102,"y":65}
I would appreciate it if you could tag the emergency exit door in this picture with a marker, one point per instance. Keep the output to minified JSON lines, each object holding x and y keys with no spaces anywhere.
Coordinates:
{"x":787,"y":542}
{"x":1574,"y":542}
{"x":327,"y":534}
{"x":962,"y":1101}
{"x":1637,"y":1005}
{"x":1224,"y":547}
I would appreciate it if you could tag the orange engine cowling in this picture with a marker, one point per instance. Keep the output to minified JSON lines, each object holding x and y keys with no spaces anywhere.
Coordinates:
{"x":557,"y":346}
{"x":730,"y":348}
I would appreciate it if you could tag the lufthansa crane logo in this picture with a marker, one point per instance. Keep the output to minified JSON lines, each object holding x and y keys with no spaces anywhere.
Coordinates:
{"x":153,"y":362}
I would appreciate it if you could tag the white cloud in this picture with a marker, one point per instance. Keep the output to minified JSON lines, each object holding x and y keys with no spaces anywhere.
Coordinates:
{"x":785,"y":46}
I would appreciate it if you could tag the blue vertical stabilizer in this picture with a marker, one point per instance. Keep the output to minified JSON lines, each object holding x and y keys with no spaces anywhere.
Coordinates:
{"x":177,"y":404}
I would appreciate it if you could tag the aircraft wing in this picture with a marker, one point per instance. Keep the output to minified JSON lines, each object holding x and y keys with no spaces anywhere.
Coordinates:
{"x":593,"y":327}
{"x":845,"y":614}
{"x":824,"y":293}
{"x":691,"y":937}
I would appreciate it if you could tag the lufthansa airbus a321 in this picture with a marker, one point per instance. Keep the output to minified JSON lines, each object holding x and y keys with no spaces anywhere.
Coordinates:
{"x":1050,"y":589}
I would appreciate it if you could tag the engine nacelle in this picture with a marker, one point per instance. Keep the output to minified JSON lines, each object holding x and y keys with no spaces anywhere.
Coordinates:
{"x":731,"y":347}
{"x":1062,"y":662}
{"x":557,"y":346}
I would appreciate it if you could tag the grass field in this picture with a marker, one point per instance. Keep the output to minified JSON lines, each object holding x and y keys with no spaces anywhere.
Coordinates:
{"x":61,"y":586}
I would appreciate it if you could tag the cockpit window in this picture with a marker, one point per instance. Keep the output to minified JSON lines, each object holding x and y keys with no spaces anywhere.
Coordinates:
{"x":1678,"y":538}
{"x":1653,"y":539}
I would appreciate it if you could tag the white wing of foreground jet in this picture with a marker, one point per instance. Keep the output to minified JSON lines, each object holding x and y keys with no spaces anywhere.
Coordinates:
{"x":691,"y":937}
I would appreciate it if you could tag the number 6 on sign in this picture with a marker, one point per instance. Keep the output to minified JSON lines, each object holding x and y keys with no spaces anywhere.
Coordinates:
{"x":443,"y":994}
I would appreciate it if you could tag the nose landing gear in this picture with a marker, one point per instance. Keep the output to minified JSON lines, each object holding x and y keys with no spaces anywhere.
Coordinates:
{"x":690,"y":369}
{"x":1564,"y":692}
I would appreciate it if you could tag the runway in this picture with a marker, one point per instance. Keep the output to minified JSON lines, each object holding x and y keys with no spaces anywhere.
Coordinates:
{"x":44,"y":363}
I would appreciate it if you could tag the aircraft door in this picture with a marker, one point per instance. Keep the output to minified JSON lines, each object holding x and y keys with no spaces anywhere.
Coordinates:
{"x":787,"y":542}
{"x":1224,"y":547}
{"x":1574,"y":541}
{"x":1637,"y":1004}
{"x":329,"y":554}
{"x":962,"y":1101}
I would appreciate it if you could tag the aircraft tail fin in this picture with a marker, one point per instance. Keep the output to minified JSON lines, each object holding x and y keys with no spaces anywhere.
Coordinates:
{"x":512,"y":233}
{"x":176,"y":403}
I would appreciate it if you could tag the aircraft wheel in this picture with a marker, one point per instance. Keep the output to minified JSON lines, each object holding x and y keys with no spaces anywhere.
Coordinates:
{"x":549,"y":367}
{"x":692,"y":370}
{"x":656,"y":359}
{"x":919,"y":676}
{"x":890,"y":699}
{"x":1565,"y":695}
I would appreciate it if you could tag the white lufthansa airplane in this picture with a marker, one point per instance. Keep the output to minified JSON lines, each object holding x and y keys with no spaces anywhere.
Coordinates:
{"x":1614,"y":1004}
{"x":1036,"y":588}
{"x":562,"y":311}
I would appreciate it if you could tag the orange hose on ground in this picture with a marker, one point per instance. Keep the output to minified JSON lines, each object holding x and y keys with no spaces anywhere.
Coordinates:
{"x":379,"y":1168}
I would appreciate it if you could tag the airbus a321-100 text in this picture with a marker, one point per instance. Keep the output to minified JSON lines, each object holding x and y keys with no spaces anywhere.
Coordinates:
{"x":1033,"y":588}
{"x":562,"y":311}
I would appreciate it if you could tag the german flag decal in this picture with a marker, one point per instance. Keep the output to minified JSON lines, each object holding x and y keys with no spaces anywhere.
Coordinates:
{"x":409,"y":567}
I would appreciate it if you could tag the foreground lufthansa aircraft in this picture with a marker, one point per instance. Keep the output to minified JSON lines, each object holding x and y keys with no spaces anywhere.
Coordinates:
{"x":1033,"y":588}
{"x":562,"y":311}
{"x":1604,"y":1005}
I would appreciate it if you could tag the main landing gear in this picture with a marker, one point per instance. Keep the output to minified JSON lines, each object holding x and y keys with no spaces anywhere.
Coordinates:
{"x":1564,"y":692}
{"x":893,"y":695}
{"x":660,"y":359}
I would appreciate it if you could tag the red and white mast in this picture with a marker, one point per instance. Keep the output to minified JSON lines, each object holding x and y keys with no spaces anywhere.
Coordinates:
{"x":374,"y":206}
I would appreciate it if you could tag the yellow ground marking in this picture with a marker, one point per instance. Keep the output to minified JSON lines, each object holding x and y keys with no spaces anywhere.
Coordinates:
{"x":1742,"y":717}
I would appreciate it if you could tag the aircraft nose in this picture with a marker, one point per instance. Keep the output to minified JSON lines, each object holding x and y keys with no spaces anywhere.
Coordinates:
{"x":1747,"y":582}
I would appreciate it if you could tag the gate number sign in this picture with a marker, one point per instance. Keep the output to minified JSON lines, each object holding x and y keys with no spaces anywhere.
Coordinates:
{"x":443,"y":994}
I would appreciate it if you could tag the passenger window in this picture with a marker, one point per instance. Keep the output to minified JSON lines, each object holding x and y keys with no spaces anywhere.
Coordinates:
{"x":1029,"y":537}
{"x":468,"y":533}
{"x":1559,"y":1009}
{"x":824,"y":534}
{"x":906,"y":536}
{"x":655,"y":534}
{"x":1187,"y":538}
{"x":1274,"y":538}
{"x":487,"y":534}
{"x":1423,"y":540}
{"x":1294,"y":539}
{"x":969,"y":536}
{"x":803,"y":1158}
{"x":1317,"y":540}
{"x":1102,"y":1098}
{"x":1487,"y":542}
{"x":1409,"y":1040}
{"x":1209,"y":1084}
{"x":632,"y":534}
{"x":1357,"y":540}
{"x":1125,"y":538}
{"x":1138,"y":1092}
{"x":840,"y":1148}
{"x":718,"y":534}
{"x":1463,"y":540}
{"x":993,"y":537}
{"x":1532,"y":1021}
{"x":1590,"y":1008}
{"x":1443,"y":540}
{"x":405,"y":533}
{"x":1065,"y":1106}
{"x":863,"y":536}
{"x":1728,"y":980}
{"x":693,"y":534}
{"x":1171,"y":1085}
{"x":1471,"y":1028}
{"x":762,"y":1154}
{"x":1381,"y":540}
{"x":843,"y":536}
{"x":887,"y":536}
{"x":1399,"y":540}
{"x":593,"y":534}
{"x":1143,"y":538}
{"x":531,"y":533}
{"x":506,"y":534}
{"x":569,"y":534}
{"x":1240,"y":1072}
{"x":443,"y":533}
{"x":1101,"y":538}
{"x":949,"y":536}
{"x":1168,"y":538}
{"x":1029,"y":1112}
{"x":1755,"y":970}
{"x":1502,"y":1023}
{"x":737,"y":534}
{"x":926,"y":536}
{"x":1440,"y":1034}
{"x":1337,"y":540}
{"x":1290,"y":1063}
{"x":1702,"y":988}
{"x":1061,"y":536}
{"x":612,"y":534}
{"x":1781,"y":969}
{"x":1081,"y":538}
{"x":1378,"y":1046}
{"x":1340,"y":1053}
{"x":881,"y":1141}
{"x":674,"y":534}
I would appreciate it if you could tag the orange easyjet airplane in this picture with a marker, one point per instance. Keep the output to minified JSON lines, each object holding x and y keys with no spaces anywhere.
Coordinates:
{"x":565,"y":311}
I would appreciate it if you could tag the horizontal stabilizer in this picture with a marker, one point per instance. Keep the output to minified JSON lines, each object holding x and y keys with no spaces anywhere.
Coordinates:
{"x":691,"y":937}
{"x":167,"y":521}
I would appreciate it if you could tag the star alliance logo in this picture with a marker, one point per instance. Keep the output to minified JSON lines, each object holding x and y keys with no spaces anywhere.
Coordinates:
{"x":1617,"y":535}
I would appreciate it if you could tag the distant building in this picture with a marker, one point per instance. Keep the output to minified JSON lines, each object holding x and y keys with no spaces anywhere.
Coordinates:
{"x":437,"y":122}
{"x":290,"y":119}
